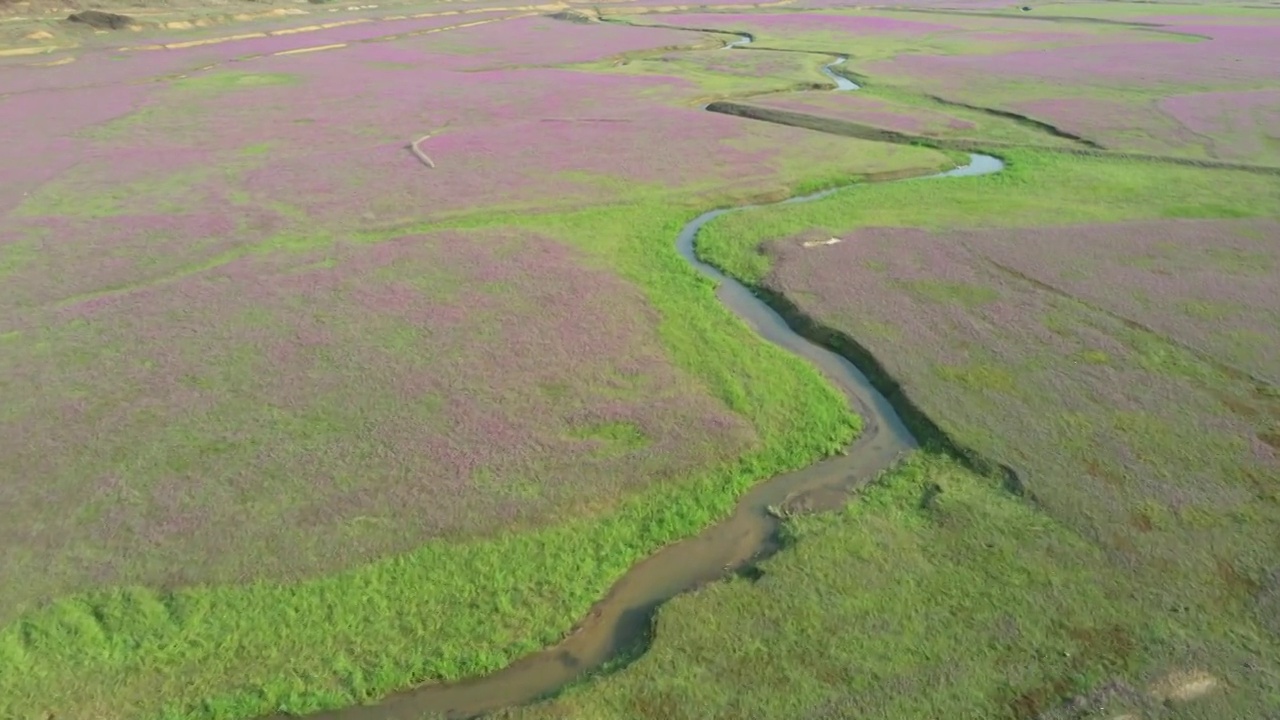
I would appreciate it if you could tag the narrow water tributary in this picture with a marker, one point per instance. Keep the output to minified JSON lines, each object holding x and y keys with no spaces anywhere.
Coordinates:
{"x":623,"y":617}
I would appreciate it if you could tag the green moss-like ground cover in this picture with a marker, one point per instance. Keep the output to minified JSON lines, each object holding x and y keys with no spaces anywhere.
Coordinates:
{"x":969,"y":605}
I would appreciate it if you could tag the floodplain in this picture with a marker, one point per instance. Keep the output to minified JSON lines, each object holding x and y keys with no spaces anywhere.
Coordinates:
{"x":363,"y":361}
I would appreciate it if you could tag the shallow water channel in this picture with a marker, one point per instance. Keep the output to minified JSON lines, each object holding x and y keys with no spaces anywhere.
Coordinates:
{"x":624,"y":616}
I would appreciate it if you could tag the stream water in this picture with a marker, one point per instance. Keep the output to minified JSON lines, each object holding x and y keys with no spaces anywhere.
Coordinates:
{"x":842,"y":82}
{"x":624,"y":616}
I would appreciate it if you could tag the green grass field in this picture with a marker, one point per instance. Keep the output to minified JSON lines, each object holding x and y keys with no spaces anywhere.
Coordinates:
{"x":964,"y":603}
{"x":1037,"y":188}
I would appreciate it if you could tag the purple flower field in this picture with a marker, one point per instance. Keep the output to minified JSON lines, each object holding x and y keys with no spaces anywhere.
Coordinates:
{"x":1238,"y":126}
{"x":549,"y":134}
{"x":1211,"y":97}
{"x":1135,"y":124}
{"x":35,"y":146}
{"x":118,"y":253}
{"x":434,"y":384}
{"x":1242,"y":126}
{"x":1209,"y":284}
{"x":1233,"y":54}
{"x":553,"y":136}
{"x":1139,"y":446}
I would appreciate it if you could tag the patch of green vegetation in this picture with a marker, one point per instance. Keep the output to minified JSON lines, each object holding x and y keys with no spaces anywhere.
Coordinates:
{"x":327,"y":263}
{"x":16,"y":255}
{"x":1093,"y":357}
{"x":1205,"y":208}
{"x":947,"y":292}
{"x":979,"y":376}
{"x":120,"y":126}
{"x":516,"y":488}
{"x":1208,"y":309}
{"x":615,"y":183}
{"x":223,"y":81}
{"x":932,"y":594}
{"x":439,"y":284}
{"x":728,"y":75}
{"x":1240,"y":262}
{"x":879,"y":329}
{"x":614,"y":438}
{"x":875,"y":160}
{"x":54,"y":201}
{"x":1156,"y":355}
{"x":860,"y":47}
{"x":255,"y":149}
{"x":1037,"y":187}
{"x":176,"y":108}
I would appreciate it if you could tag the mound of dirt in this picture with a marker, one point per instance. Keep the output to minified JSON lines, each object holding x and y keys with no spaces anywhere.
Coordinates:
{"x":100,"y":20}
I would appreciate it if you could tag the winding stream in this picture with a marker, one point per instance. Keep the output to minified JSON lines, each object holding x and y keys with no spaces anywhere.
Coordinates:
{"x":842,"y":82}
{"x":624,"y":616}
